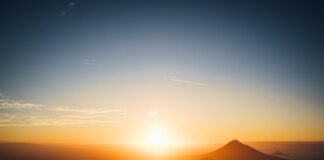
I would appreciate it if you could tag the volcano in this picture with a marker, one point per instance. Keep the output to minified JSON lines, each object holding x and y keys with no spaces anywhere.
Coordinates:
{"x":235,"y":150}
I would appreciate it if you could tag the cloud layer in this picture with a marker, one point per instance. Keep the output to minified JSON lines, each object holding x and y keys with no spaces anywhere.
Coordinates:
{"x":19,"y":113}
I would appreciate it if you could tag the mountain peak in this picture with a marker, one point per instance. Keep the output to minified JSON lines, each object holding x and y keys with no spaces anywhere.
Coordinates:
{"x":233,"y":143}
{"x":235,"y":150}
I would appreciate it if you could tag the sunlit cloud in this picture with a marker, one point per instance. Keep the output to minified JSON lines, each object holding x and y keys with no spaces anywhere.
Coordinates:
{"x":79,"y":116}
{"x":153,"y":113}
{"x":188,"y":82}
{"x":6,"y":103}
{"x":19,"y":113}
{"x":7,"y":119}
{"x":86,"y":111}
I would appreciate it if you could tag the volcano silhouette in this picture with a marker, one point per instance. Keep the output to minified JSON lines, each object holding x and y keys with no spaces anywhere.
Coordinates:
{"x":235,"y":150}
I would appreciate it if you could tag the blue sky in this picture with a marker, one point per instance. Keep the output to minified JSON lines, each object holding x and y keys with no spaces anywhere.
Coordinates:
{"x":58,"y":52}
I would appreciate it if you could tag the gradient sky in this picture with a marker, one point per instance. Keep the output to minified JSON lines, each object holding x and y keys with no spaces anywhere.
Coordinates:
{"x":204,"y":70}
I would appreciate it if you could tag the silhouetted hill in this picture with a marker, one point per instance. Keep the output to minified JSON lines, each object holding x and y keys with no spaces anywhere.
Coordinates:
{"x":235,"y":150}
{"x":279,"y":154}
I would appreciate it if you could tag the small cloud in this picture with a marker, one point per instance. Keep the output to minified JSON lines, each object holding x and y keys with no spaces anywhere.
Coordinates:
{"x":63,"y":13}
{"x":92,"y":64}
{"x":67,"y":8}
{"x":71,"y":4}
{"x":153,"y":113}
{"x":185,"y":82}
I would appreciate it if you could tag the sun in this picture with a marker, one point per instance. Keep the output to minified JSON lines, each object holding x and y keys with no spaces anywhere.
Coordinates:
{"x":154,"y":139}
{"x":157,"y":137}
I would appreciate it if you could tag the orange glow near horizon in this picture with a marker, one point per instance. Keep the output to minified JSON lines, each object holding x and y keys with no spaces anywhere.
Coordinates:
{"x":165,"y":115}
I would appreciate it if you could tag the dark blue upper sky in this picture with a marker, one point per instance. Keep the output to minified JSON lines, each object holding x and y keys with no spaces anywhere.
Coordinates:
{"x":50,"y":45}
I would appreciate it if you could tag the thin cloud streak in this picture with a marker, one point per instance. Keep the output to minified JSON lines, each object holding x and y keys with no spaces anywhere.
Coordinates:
{"x":38,"y":121}
{"x":79,"y":116}
{"x":185,"y":82}
{"x":86,"y":111}
{"x":6,"y":103}
{"x":92,"y":64}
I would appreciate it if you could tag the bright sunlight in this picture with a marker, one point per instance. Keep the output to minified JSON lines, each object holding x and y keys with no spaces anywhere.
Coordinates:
{"x":157,"y":137}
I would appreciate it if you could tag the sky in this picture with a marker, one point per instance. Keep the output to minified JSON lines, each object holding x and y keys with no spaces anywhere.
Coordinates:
{"x":202,"y":71}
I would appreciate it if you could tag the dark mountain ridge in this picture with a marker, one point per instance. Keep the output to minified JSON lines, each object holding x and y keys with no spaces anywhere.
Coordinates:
{"x":235,"y":150}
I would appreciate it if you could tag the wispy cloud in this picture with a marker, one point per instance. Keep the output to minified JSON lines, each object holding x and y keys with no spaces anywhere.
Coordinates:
{"x":7,"y":119}
{"x":6,"y":103}
{"x":188,"y":82}
{"x":86,"y":111}
{"x":153,"y":113}
{"x":92,"y":64}
{"x":19,"y":113}
{"x":79,"y":116}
